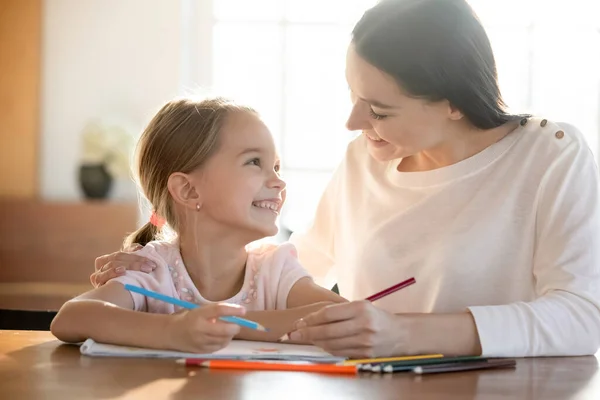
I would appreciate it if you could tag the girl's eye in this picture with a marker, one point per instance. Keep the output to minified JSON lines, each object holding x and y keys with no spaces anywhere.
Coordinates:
{"x":376,"y":116}
{"x":254,"y":161}
{"x":276,"y":168}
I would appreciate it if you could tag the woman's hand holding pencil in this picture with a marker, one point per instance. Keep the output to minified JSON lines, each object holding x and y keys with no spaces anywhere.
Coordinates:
{"x":357,"y":329}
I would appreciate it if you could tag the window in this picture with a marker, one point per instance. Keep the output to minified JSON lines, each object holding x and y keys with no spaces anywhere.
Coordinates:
{"x":286,"y":57}
{"x":548,"y":57}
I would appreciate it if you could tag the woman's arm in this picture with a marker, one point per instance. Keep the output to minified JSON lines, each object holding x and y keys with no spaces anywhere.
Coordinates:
{"x":562,"y":320}
{"x":361,"y":330}
{"x":448,"y":334}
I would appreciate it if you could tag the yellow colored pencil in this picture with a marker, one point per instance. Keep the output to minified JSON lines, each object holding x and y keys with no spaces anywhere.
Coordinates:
{"x":391,"y":359}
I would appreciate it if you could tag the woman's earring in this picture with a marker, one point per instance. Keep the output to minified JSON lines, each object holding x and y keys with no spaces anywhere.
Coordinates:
{"x":197,"y":207}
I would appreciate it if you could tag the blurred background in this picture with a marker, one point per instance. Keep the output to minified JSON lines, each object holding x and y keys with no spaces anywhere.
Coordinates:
{"x":79,"y":79}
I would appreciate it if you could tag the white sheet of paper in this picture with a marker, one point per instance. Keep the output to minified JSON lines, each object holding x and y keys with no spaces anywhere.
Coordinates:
{"x":237,"y":350}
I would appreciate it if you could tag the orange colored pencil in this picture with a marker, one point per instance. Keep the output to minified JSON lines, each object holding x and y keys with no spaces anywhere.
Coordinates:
{"x":270,"y":366}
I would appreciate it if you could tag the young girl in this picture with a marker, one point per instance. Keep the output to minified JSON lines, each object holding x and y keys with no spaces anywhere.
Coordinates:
{"x":211,"y":172}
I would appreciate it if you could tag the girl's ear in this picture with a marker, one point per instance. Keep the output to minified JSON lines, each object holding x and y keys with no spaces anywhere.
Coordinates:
{"x":183,"y":191}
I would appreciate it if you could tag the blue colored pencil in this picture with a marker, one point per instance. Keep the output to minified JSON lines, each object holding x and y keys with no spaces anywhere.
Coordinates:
{"x":186,"y":304}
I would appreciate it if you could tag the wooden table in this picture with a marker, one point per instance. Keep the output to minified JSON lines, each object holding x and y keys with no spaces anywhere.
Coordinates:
{"x":33,"y":365}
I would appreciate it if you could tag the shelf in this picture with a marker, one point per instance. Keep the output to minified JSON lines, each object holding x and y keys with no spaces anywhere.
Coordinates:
{"x":49,"y":248}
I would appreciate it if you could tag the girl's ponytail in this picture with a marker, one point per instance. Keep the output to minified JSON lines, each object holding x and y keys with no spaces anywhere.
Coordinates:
{"x":142,"y":236}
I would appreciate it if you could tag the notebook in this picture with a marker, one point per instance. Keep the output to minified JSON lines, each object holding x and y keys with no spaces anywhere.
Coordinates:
{"x":237,"y":350}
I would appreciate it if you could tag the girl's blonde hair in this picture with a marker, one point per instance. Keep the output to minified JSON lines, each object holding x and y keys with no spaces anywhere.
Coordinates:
{"x":181,"y":137}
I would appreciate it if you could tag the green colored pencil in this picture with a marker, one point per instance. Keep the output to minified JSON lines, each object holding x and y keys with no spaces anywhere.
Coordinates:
{"x":398,"y":366}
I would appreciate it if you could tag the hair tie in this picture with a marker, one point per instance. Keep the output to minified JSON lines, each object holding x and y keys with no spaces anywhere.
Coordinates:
{"x":157,"y":220}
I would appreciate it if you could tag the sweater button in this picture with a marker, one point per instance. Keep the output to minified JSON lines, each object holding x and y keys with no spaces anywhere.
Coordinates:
{"x":543,"y":123}
{"x":523,"y":122}
{"x":559,"y":134}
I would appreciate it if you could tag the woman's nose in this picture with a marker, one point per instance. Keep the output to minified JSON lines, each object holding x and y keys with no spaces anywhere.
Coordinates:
{"x":358,"y":119}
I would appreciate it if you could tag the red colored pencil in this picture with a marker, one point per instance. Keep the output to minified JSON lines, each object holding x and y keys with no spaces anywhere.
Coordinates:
{"x":271,"y":366}
{"x":391,"y":289}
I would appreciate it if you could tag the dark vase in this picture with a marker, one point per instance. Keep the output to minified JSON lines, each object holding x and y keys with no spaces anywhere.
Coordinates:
{"x":95,"y":181}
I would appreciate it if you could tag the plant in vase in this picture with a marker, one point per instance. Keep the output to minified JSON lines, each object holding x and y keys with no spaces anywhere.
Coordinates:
{"x":106,"y":156}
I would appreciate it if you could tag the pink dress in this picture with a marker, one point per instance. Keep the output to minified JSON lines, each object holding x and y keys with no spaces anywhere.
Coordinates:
{"x":271,"y":272}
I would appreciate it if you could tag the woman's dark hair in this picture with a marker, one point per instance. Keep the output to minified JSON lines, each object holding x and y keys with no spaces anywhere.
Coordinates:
{"x":435,"y":49}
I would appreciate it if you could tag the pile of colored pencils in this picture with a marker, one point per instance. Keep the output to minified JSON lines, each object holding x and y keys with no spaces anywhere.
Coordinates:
{"x":428,"y":364}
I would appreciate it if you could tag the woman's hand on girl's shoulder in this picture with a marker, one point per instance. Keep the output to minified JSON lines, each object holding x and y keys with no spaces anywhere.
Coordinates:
{"x":200,"y":330}
{"x":115,"y":264}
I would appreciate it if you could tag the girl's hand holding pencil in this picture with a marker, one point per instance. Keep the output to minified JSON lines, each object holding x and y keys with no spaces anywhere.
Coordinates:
{"x":201,"y":330}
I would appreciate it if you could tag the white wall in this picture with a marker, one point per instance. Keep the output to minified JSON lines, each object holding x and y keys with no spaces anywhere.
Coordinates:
{"x":116,"y":59}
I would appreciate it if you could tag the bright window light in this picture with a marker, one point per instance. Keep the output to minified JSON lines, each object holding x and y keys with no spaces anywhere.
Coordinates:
{"x":286,"y":58}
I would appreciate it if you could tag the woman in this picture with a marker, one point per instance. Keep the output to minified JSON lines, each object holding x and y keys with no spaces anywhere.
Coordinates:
{"x":496,"y":215}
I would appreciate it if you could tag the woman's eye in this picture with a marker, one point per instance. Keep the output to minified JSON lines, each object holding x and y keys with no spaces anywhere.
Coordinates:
{"x":376,"y":116}
{"x":352,"y":96}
